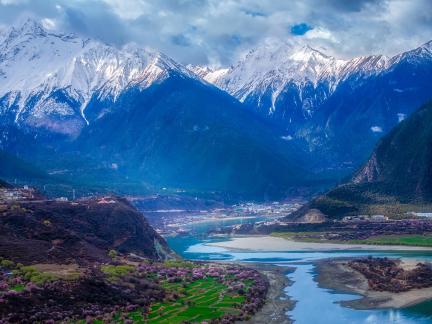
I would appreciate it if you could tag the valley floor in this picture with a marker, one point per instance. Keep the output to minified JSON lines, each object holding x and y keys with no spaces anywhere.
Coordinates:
{"x":266,"y":243}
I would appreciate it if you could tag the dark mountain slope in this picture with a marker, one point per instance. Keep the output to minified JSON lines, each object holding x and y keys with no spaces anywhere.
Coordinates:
{"x":402,"y":161}
{"x":338,"y":109}
{"x":13,"y":167}
{"x":349,"y":124}
{"x":396,"y":178}
{"x":52,"y":231}
{"x":183,"y":133}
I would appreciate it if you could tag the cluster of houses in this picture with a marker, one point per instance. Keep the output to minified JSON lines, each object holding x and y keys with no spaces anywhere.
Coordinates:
{"x":274,"y":209}
{"x":15,"y":194}
{"x":420,"y":214}
{"x":28,"y":193}
{"x":105,"y":200}
{"x":369,"y":218}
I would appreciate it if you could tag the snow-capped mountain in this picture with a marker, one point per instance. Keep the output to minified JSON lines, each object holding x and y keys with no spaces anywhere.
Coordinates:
{"x":47,"y":79}
{"x":107,"y":116}
{"x":206,"y":73}
{"x":273,"y":67}
{"x":323,"y":100}
{"x":269,"y":71}
{"x":138,"y":111}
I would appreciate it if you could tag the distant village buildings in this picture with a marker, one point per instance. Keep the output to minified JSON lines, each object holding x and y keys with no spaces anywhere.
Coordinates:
{"x":13,"y":194}
{"x":106,"y":200}
{"x":370,"y":218}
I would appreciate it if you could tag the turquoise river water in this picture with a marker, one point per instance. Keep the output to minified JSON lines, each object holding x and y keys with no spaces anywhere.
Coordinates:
{"x":314,"y":304}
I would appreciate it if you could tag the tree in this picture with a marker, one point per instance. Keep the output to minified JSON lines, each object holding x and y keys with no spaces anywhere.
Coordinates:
{"x":112,"y":254}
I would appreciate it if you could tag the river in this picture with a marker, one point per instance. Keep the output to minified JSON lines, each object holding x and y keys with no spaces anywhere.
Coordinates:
{"x":314,"y":304}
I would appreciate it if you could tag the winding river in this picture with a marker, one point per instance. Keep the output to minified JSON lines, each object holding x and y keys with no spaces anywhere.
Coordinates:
{"x":314,"y":304}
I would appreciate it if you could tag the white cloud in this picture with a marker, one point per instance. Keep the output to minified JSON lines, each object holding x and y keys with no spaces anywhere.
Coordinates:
{"x":322,"y":33}
{"x":48,"y":23}
{"x":129,"y":9}
{"x":12,"y":2}
{"x":218,"y":32}
{"x":376,"y":129}
{"x":287,"y":138}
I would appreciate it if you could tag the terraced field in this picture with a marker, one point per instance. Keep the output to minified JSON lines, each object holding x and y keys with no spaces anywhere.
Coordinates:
{"x":137,"y":292}
{"x":201,"y":300}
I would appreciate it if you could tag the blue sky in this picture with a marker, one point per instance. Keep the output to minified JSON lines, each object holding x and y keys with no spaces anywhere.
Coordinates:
{"x":219,"y":32}
{"x":300,"y":29}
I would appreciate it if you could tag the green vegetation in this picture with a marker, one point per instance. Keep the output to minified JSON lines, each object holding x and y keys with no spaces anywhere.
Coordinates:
{"x":320,"y":237}
{"x":365,"y":199}
{"x":148,"y":292}
{"x":178,"y":264}
{"x":302,"y":236}
{"x":18,"y":287}
{"x":7,"y":263}
{"x":112,"y":254}
{"x":117,"y":271}
{"x":47,"y":222}
{"x":411,"y":240}
{"x":35,"y":276}
{"x":400,"y":169}
{"x":201,"y":300}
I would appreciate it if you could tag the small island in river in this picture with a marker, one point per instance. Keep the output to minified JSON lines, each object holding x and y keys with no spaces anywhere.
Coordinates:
{"x":382,"y":282}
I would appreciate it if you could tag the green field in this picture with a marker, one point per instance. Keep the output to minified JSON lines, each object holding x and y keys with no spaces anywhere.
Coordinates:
{"x":406,"y":239}
{"x":313,"y":237}
{"x":197,"y":301}
{"x":411,"y":240}
{"x":201,"y":300}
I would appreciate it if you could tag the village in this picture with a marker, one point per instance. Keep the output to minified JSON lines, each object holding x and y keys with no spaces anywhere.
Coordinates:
{"x":177,"y":221}
{"x":28,"y":194}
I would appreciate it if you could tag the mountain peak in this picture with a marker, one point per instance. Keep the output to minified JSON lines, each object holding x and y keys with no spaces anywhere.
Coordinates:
{"x":207,"y":73}
{"x":275,"y":64}
{"x":30,"y":26}
{"x":307,"y":53}
{"x":427,"y":44}
{"x":423,"y":52}
{"x":426,"y":48}
{"x":279,"y":55}
{"x":36,"y":63}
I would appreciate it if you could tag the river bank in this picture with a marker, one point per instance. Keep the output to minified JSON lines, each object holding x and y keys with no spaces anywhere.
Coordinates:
{"x":265,"y":243}
{"x":336,"y":275}
{"x":277,"y":302}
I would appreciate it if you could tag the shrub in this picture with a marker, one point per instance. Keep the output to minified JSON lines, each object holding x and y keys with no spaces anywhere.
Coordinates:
{"x":117,"y":270}
{"x":47,"y":222}
{"x":112,"y":254}
{"x":36,"y":277}
{"x":7,"y":263}
{"x":178,"y":264}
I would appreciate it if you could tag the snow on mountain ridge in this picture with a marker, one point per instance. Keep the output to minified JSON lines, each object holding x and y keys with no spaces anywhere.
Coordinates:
{"x":274,"y":66}
{"x":206,"y":73}
{"x":35,"y":62}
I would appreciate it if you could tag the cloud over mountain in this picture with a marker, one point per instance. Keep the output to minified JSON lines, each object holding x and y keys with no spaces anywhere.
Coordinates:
{"x":218,"y":32}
